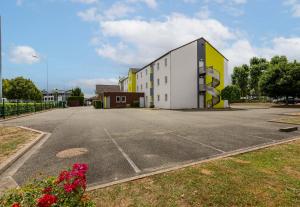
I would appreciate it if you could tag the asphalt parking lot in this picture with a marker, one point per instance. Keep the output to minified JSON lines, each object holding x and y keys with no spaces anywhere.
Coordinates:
{"x":122,"y":143}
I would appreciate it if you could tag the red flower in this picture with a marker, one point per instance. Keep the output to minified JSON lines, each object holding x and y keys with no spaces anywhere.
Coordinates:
{"x":80,"y":167}
{"x":47,"y":190}
{"x":69,"y":187}
{"x":64,"y":175}
{"x":47,"y":200}
{"x":16,"y":205}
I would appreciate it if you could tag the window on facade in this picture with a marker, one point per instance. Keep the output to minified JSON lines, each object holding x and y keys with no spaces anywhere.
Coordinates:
{"x":166,"y":97}
{"x":118,"y":99}
{"x":157,"y":66}
{"x":166,"y":61}
{"x":146,"y":84}
{"x":137,"y":88}
{"x":146,"y":99}
{"x":166,"y":79}
{"x":141,"y":87}
{"x":158,"y":81}
{"x":158,"y":97}
{"x":123,"y":99}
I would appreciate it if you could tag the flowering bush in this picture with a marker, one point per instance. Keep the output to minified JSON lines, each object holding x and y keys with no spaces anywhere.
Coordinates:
{"x":68,"y":189}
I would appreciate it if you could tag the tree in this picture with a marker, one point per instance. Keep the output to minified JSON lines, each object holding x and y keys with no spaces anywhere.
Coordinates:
{"x":231,"y":93}
{"x":21,"y":88}
{"x":240,"y":78}
{"x":5,"y":87}
{"x":257,"y":67}
{"x":76,"y":92}
{"x":281,"y":79}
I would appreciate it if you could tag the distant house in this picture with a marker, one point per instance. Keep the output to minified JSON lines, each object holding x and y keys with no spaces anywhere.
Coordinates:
{"x":56,"y":95}
{"x":113,"y":97}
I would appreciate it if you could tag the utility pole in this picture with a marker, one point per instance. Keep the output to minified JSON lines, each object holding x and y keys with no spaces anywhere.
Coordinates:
{"x":0,"y":62}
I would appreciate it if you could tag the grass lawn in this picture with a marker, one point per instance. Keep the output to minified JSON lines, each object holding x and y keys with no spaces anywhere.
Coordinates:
{"x":267,"y":177}
{"x":12,"y":139}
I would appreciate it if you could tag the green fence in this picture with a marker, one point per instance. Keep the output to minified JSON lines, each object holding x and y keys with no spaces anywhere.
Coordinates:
{"x":20,"y":107}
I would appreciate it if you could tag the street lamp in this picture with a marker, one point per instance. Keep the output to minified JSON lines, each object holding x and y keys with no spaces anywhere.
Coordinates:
{"x":46,"y":62}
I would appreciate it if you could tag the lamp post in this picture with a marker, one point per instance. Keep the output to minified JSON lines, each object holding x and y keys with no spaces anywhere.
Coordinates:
{"x":0,"y":62}
{"x":46,"y":62}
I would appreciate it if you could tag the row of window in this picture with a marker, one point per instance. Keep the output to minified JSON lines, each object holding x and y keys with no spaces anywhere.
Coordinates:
{"x":157,"y":67}
{"x":120,"y":99}
{"x":158,"y":83}
{"x":166,"y":97}
{"x":158,"y":98}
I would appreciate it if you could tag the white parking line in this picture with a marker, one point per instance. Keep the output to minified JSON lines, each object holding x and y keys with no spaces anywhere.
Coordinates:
{"x":133,"y":165}
{"x":253,"y":135}
{"x":211,"y":147}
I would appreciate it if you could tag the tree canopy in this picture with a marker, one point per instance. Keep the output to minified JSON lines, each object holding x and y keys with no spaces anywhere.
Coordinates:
{"x":275,"y":78}
{"x":21,"y":88}
{"x":281,"y":79}
{"x":231,"y":93}
{"x":76,"y":92}
{"x":240,"y":77}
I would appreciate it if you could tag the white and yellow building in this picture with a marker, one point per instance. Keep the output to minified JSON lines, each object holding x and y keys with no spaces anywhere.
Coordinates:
{"x":190,"y":76}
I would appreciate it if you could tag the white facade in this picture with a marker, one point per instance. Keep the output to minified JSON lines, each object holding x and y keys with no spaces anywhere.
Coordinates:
{"x":184,"y":77}
{"x":143,"y":84}
{"x":175,"y":83}
{"x":161,"y":81}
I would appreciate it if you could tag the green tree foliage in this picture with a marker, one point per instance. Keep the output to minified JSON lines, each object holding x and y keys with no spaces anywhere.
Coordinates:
{"x":281,"y":79}
{"x":76,"y":92}
{"x":240,"y":78}
{"x":231,"y":93}
{"x":257,"y":67}
{"x":21,"y":88}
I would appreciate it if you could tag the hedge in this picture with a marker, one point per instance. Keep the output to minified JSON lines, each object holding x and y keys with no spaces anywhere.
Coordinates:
{"x":75,"y":101}
{"x":11,"y":109}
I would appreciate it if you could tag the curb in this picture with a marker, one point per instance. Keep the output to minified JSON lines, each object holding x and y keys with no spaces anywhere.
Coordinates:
{"x":7,"y":163}
{"x":24,"y":115}
{"x":96,"y":186}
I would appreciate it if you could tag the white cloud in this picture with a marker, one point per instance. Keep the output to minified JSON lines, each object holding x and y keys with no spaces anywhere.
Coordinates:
{"x":283,"y":46}
{"x":23,"y":55}
{"x":242,"y":50}
{"x":295,"y":7}
{"x":204,"y":12}
{"x":118,"y":10}
{"x":142,"y":40}
{"x":150,"y":3}
{"x":90,"y":14}
{"x":85,"y":1}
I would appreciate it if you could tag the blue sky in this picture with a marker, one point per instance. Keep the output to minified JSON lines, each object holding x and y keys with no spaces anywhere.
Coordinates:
{"x":95,"y":41}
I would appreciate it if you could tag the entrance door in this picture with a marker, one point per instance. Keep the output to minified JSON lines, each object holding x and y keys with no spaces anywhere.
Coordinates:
{"x":142,"y":102}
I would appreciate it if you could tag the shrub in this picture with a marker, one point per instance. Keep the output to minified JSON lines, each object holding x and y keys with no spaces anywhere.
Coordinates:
{"x":97,"y":104}
{"x":68,"y":189}
{"x":231,"y":93}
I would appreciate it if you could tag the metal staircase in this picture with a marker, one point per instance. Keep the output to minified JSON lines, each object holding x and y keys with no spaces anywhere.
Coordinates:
{"x":211,"y":87}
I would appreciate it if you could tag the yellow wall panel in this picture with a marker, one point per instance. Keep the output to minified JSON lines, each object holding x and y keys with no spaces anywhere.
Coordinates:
{"x":215,"y":59}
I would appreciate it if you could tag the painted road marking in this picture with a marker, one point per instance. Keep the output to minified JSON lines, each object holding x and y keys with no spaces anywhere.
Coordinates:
{"x":197,"y":142}
{"x":253,"y":135}
{"x":133,"y":165}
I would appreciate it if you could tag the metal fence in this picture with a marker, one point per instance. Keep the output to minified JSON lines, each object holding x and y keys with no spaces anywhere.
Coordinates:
{"x":17,"y":107}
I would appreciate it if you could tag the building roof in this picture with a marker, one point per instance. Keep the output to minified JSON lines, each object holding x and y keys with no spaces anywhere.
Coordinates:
{"x":107,"y":88}
{"x":179,"y":48}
